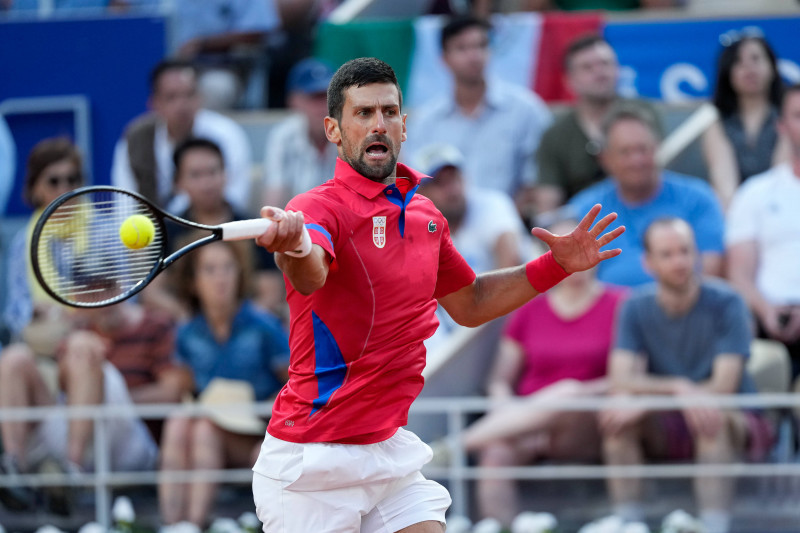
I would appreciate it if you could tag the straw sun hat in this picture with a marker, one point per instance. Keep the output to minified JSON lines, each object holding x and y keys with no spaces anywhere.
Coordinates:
{"x":221,"y":392}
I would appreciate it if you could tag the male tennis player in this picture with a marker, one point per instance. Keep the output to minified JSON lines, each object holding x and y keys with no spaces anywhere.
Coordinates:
{"x":335,"y":458}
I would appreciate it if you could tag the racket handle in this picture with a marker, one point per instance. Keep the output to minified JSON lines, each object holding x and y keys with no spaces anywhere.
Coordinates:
{"x":250,"y":229}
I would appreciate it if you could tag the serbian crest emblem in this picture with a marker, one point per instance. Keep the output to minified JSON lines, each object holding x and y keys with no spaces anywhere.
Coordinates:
{"x":379,"y":231}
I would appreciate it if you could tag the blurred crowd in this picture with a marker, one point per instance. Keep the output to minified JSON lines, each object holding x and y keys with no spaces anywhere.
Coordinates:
{"x":705,"y":294}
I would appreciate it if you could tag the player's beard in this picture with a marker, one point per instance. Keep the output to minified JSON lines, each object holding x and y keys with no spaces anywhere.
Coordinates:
{"x":359,"y":162}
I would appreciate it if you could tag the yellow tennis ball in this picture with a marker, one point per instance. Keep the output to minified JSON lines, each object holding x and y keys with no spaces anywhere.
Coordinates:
{"x":137,"y":232}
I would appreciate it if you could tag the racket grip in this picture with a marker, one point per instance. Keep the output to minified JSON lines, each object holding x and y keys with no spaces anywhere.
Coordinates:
{"x":250,"y":229}
{"x":244,"y":229}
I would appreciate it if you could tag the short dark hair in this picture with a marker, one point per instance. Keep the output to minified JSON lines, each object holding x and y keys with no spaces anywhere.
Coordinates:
{"x":195,"y":143}
{"x":165,"y":66}
{"x":580,"y":44}
{"x":725,"y":98}
{"x":45,"y":153}
{"x":458,"y":24}
{"x":661,"y":222}
{"x":627,"y":110}
{"x":358,"y":73}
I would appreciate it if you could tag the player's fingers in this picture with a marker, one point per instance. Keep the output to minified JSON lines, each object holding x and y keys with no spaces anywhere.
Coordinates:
{"x":610,"y":236}
{"x":608,"y":254}
{"x":273,"y":213}
{"x":543,"y":235}
{"x":588,"y":219}
{"x":604,"y":222}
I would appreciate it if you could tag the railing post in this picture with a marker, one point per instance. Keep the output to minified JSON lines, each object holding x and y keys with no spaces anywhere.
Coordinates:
{"x":457,"y":480}
{"x":102,"y":467}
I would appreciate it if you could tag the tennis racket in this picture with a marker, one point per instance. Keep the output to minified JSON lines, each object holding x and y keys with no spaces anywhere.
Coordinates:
{"x":79,"y":258}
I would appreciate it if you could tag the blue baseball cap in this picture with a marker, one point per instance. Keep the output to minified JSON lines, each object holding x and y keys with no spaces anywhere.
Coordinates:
{"x":309,"y":76}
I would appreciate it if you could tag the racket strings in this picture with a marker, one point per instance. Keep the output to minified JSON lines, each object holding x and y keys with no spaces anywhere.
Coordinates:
{"x":81,"y":256}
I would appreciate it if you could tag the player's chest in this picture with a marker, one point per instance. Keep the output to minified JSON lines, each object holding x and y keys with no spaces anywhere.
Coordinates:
{"x":392,"y":245}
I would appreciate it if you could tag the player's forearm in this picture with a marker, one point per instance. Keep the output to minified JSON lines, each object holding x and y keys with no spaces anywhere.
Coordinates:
{"x":490,"y":296}
{"x":306,"y":274}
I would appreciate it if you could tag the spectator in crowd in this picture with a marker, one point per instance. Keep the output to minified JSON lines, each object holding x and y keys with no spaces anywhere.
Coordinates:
{"x":297,"y":155}
{"x":744,"y":141}
{"x":687,"y":337}
{"x":568,"y":154}
{"x":143,"y":157}
{"x":483,"y":223}
{"x":54,"y":167}
{"x":763,"y":240}
{"x":640,"y":192}
{"x":496,"y":125}
{"x":228,"y":38}
{"x":227,"y":338}
{"x":8,"y":164}
{"x":200,"y":174}
{"x":553,"y":347}
{"x":116,"y":355}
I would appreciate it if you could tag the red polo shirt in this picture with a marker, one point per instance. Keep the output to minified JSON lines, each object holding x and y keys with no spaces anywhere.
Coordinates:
{"x":356,"y":344}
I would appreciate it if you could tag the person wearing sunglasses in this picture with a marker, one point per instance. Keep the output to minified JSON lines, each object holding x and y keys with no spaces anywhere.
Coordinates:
{"x":54,"y":167}
{"x":35,"y":321}
{"x":744,"y":141}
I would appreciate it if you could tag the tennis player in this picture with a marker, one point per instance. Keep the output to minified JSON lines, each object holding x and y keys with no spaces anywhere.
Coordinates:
{"x":335,"y":458}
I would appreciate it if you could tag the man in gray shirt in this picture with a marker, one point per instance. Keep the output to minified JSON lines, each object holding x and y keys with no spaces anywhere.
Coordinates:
{"x":687,"y":337}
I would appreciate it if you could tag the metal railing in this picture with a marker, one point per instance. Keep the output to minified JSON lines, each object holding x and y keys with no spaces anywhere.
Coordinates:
{"x":457,"y":474}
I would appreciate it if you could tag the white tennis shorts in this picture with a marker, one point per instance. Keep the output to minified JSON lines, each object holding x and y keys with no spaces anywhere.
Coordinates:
{"x":346,"y":488}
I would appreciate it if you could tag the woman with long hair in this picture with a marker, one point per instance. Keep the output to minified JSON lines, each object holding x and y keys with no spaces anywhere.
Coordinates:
{"x":232,"y":348}
{"x":744,"y":140}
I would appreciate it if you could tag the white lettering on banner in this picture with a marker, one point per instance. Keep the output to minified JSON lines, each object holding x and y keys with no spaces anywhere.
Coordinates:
{"x":789,"y":70}
{"x":677,"y":75}
{"x":626,"y":82}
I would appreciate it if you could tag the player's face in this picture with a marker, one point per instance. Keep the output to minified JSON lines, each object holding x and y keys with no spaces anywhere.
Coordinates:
{"x":371,"y":130}
{"x":56,"y":179}
{"x":629,"y":156}
{"x":789,"y":124}
{"x":593,"y":73}
{"x":202,"y":177}
{"x":466,"y":55}
{"x":752,"y":72}
{"x":217,"y":276}
{"x":176,"y":100}
{"x":673,"y":257}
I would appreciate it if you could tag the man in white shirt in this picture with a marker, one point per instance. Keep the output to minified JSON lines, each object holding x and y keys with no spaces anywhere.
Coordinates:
{"x":143,"y":156}
{"x":484,"y":224}
{"x":496,"y":125}
{"x":297,"y":155}
{"x":762,"y":239}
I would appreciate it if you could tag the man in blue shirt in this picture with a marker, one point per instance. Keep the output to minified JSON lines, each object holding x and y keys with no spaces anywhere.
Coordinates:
{"x":640,"y":192}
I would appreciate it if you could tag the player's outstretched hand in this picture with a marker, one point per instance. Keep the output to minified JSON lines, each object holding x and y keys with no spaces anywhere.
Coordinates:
{"x":580,"y":249}
{"x":285,"y":234}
